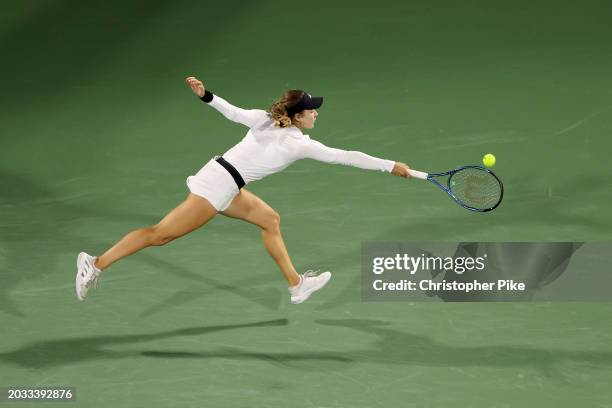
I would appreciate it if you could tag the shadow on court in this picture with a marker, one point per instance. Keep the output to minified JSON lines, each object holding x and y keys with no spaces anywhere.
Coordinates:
{"x":401,"y":348}
{"x":285,"y":359}
{"x":390,"y":347}
{"x":59,"y":352}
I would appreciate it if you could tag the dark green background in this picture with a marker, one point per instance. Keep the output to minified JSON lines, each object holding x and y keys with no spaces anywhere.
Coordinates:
{"x":99,"y":132}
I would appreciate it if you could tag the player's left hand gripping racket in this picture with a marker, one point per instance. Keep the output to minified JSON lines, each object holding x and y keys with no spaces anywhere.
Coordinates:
{"x":472,"y":187}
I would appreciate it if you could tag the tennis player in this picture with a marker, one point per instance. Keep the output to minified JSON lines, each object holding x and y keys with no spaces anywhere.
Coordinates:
{"x":275,"y":139}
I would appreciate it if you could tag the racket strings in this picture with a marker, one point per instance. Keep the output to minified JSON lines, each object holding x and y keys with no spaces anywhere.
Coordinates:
{"x":476,"y":188}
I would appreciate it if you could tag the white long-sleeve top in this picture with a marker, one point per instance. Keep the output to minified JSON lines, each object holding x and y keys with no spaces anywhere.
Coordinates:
{"x":267,"y":149}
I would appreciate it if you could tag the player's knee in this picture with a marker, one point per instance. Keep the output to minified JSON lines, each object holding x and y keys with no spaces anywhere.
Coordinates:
{"x":273,"y":221}
{"x":160,"y":236}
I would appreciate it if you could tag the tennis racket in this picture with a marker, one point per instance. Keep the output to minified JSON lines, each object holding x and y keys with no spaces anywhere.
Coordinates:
{"x":472,"y":187}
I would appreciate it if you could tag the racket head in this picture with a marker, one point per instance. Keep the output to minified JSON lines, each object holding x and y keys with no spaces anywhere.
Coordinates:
{"x":476,"y":188}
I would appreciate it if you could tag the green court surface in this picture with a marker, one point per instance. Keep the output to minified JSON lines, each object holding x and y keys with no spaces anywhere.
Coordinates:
{"x":98,"y":133}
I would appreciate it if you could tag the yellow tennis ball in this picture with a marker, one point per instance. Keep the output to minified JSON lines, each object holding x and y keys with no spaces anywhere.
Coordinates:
{"x":488,"y":160}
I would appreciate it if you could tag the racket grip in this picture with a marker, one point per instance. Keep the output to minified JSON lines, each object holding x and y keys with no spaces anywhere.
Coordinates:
{"x":418,"y":174}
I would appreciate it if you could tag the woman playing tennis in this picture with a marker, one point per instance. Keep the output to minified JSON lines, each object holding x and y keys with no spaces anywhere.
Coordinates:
{"x":275,"y":139}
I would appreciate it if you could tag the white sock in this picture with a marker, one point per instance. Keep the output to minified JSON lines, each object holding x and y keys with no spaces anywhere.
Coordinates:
{"x":298,"y":284}
{"x":98,"y":271}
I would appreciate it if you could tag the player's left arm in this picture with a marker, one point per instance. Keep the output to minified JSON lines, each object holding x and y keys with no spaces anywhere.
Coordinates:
{"x":247,"y":117}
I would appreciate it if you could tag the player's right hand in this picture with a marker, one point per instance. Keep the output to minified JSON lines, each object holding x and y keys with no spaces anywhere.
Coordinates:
{"x":401,"y":169}
{"x":196,"y":86}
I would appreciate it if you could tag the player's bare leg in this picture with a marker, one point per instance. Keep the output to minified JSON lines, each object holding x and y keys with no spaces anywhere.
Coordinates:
{"x":248,"y":207}
{"x":191,"y":214}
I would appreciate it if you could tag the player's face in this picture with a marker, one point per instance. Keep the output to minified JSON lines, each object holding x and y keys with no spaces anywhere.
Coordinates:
{"x":306,"y":119}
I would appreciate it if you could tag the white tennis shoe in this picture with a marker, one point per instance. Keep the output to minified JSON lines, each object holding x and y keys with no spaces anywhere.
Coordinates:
{"x":87,"y":275}
{"x":310,"y":282}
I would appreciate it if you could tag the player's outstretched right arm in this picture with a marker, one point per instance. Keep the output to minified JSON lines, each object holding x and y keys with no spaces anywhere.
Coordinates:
{"x":318,"y":151}
{"x":247,"y":117}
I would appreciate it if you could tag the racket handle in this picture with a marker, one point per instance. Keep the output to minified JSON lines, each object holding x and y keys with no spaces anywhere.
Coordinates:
{"x":418,"y":174}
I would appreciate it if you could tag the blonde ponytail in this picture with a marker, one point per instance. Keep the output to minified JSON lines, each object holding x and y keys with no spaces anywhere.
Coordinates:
{"x":278,"y":110}
{"x":279,"y":114}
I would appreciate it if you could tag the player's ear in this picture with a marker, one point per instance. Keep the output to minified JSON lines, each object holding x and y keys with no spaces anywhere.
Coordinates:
{"x":298,"y":116}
